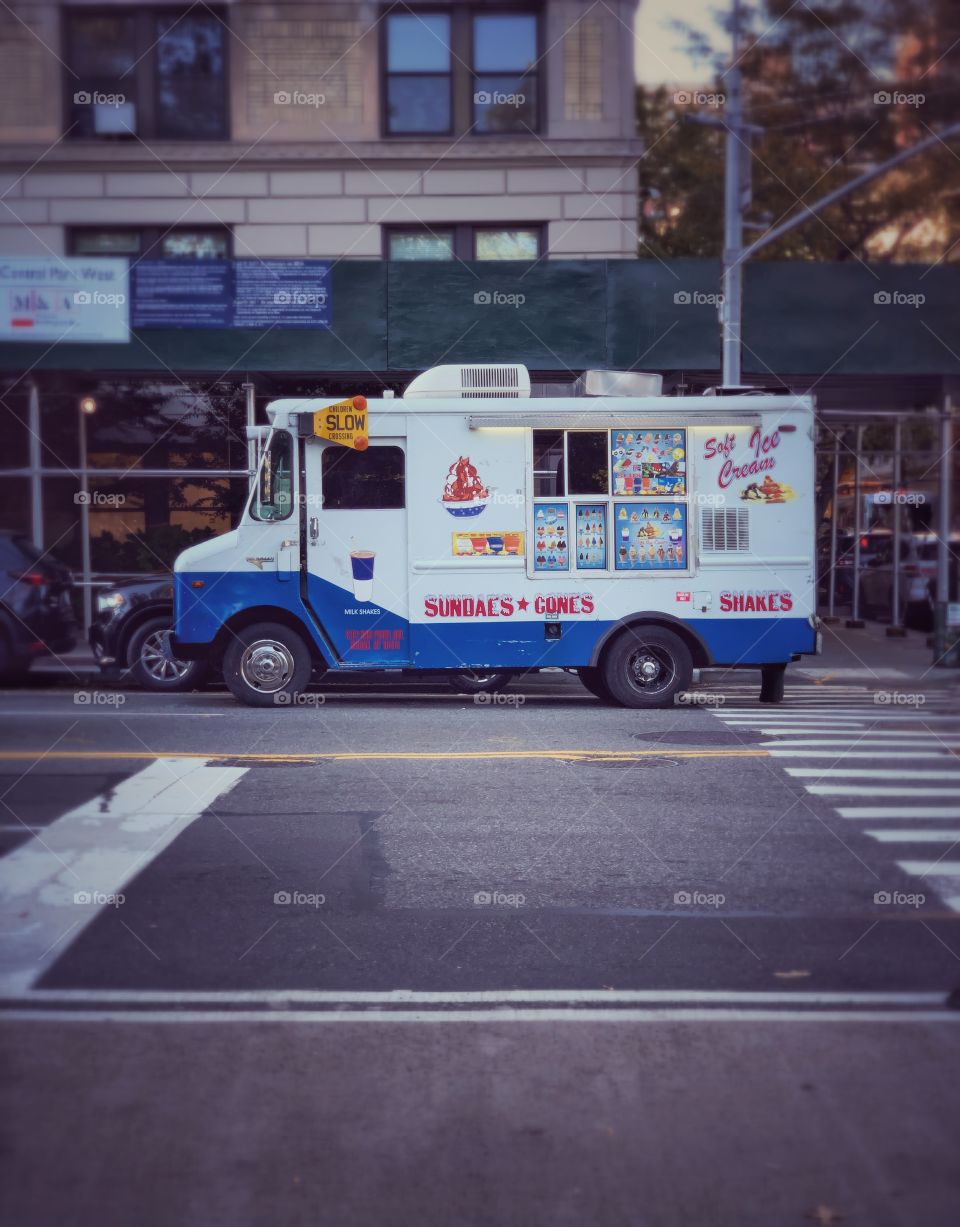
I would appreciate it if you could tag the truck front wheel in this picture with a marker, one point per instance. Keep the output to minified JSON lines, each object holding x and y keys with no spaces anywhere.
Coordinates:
{"x":267,"y":665}
{"x":646,"y":666}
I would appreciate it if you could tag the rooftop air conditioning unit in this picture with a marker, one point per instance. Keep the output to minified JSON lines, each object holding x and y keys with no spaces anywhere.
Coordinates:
{"x":619,"y":383}
{"x":471,"y":382}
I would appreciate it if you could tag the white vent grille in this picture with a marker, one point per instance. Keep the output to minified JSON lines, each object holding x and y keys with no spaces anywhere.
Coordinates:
{"x":723,"y":529}
{"x":471,"y":382}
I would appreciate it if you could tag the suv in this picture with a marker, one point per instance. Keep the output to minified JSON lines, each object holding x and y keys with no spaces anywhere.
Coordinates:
{"x":36,"y":606}
{"x":127,"y":635}
{"x":918,"y":579}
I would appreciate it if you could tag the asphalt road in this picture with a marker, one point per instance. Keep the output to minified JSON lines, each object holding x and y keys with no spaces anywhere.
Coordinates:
{"x":399,"y":955}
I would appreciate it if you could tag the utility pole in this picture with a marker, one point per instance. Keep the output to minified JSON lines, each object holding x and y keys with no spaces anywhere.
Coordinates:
{"x":731,"y":308}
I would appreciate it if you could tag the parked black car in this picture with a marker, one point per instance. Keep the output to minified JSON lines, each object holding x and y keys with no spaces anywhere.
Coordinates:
{"x":126,"y":635}
{"x":36,"y":606}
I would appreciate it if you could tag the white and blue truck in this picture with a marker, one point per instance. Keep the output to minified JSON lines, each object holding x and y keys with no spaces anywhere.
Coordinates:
{"x":473,"y":528}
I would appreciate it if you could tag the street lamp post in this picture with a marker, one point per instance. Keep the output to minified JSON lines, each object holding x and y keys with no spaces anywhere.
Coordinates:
{"x":86,"y":407}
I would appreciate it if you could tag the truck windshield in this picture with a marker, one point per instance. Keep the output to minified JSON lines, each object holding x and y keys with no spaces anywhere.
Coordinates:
{"x":273,"y":499}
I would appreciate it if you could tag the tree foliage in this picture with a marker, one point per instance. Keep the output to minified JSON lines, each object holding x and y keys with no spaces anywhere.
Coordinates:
{"x":837,"y":86}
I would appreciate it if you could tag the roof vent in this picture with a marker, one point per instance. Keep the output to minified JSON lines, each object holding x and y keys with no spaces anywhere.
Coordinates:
{"x":470,"y":382}
{"x":619,"y":383}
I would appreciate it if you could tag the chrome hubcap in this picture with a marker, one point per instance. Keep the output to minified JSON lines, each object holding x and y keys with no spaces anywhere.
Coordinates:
{"x":267,"y":666}
{"x":156,"y":664}
{"x":651,"y":669}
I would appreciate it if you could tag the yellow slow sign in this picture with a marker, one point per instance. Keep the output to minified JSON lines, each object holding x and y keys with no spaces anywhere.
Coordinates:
{"x":344,"y":422}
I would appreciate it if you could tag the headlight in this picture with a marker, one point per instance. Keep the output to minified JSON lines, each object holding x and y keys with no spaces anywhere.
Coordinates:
{"x":110,"y":600}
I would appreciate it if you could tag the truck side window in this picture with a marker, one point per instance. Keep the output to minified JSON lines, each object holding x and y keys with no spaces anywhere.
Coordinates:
{"x":587,"y":462}
{"x":548,"y":463}
{"x":273,"y":499}
{"x":368,"y":480}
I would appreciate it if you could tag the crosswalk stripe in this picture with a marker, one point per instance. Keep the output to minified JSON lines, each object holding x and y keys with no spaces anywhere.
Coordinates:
{"x":859,"y":790}
{"x":915,"y":837}
{"x":873,"y":773}
{"x":899,"y":813}
{"x":840,"y":753}
{"x":931,"y":869}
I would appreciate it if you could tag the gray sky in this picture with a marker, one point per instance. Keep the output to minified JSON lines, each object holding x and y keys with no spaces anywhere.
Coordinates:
{"x":659,"y":58}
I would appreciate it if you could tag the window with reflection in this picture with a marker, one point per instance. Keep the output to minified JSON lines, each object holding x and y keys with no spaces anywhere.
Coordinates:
{"x":505,"y":72}
{"x":511,"y":244}
{"x":152,"y":242}
{"x":420,"y":245}
{"x":273,"y":497}
{"x":419,"y":80}
{"x":145,"y":72}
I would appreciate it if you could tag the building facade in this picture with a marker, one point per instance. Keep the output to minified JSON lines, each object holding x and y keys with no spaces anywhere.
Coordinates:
{"x":471,"y":129}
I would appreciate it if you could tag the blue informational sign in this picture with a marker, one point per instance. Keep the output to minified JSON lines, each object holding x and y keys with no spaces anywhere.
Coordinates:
{"x":231,"y":294}
{"x":182,"y":294}
{"x":282,"y":294}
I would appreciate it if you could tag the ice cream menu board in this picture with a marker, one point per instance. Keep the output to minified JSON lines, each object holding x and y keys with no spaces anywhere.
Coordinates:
{"x":551,"y":542}
{"x":649,"y":462}
{"x":650,"y":536}
{"x":591,"y":542}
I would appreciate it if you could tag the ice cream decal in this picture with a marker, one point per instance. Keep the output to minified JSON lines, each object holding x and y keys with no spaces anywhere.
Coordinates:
{"x":464,"y":494}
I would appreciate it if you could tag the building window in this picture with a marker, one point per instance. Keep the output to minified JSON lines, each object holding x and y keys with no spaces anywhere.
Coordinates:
{"x":461,"y":70}
{"x":418,"y":94}
{"x":153,"y":73}
{"x":151,"y":242}
{"x":463,"y":242}
{"x":505,"y":72}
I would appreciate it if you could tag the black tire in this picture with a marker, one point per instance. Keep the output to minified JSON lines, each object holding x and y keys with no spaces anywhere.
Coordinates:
{"x":150,"y":670}
{"x":646,"y":666}
{"x":479,"y":681}
{"x":267,"y":665}
{"x":592,"y":678}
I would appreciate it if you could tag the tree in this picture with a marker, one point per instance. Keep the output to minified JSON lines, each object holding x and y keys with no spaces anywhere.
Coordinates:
{"x":837,"y":85}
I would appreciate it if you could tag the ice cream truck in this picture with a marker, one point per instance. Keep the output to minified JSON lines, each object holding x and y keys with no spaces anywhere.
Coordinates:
{"x":473,"y":528}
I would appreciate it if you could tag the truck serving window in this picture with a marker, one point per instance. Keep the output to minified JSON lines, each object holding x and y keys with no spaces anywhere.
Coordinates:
{"x":273,"y":499}
{"x":368,"y":480}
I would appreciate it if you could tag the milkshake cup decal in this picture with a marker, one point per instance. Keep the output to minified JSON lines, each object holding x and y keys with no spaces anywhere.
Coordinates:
{"x":361,"y":564}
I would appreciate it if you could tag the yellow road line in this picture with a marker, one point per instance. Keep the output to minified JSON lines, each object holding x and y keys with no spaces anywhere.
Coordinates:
{"x":367,"y":755}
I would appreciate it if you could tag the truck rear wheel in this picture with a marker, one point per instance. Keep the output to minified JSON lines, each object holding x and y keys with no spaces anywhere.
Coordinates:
{"x":267,"y":665}
{"x":646,"y":666}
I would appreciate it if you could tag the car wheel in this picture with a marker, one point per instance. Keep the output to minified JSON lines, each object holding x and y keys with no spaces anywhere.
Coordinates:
{"x":150,"y":668}
{"x":592,"y":678}
{"x":646,"y":666}
{"x":479,"y":681}
{"x":267,"y":665}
